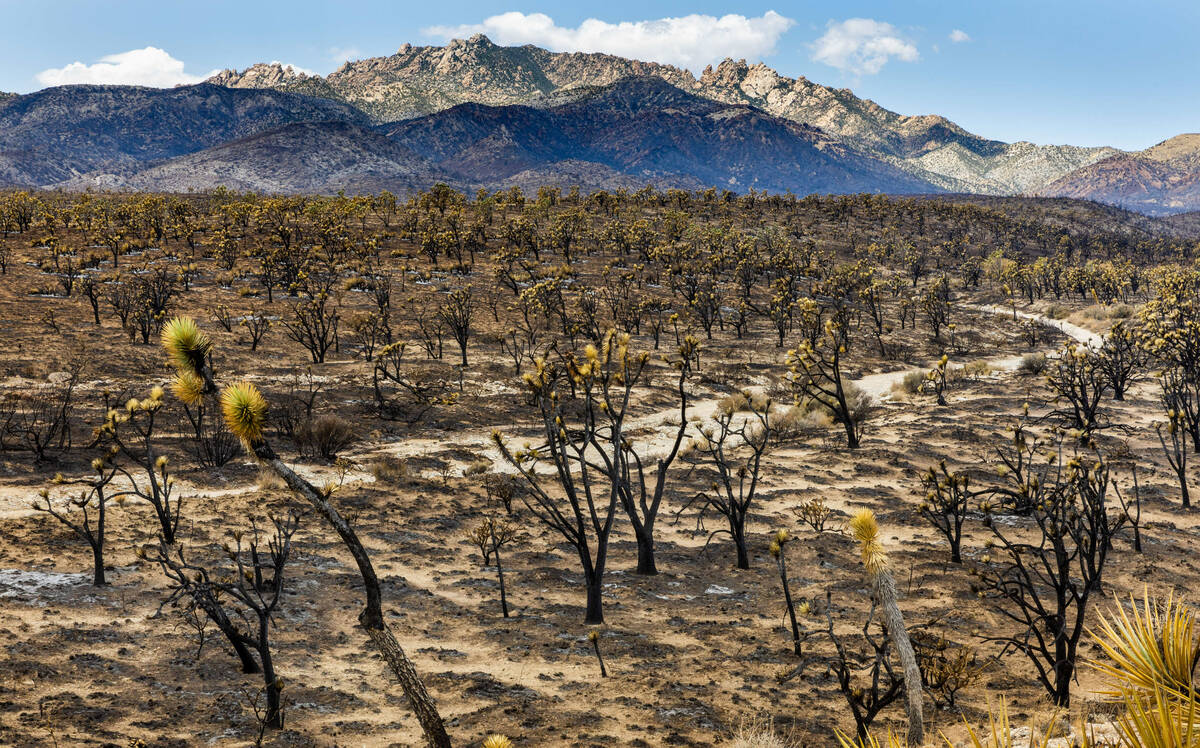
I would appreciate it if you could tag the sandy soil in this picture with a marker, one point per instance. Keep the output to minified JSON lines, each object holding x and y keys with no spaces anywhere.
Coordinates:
{"x":692,"y":652}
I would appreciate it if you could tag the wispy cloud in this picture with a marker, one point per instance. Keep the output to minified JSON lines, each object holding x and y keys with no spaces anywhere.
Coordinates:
{"x":338,"y":55}
{"x":293,"y":68}
{"x":141,"y":67}
{"x":958,"y":36}
{"x":691,"y":41}
{"x":862,"y":46}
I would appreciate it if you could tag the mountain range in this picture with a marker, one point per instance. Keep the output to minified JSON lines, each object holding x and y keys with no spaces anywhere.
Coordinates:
{"x":61,"y":133}
{"x":633,"y":132}
{"x":422,"y":80}
{"x":475,"y":114}
{"x":1164,"y":178}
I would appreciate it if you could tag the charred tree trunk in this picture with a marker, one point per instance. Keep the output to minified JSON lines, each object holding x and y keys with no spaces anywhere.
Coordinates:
{"x":371,"y":617}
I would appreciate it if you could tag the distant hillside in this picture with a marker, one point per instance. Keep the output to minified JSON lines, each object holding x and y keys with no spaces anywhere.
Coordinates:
{"x":422,"y":80}
{"x":60,"y":133}
{"x":308,"y":157}
{"x":647,"y":129}
{"x":634,"y":132}
{"x":1081,"y":216}
{"x":1162,"y":179}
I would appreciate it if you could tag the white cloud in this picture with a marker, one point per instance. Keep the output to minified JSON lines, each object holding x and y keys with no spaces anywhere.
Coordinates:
{"x":862,"y":46}
{"x":691,"y":41}
{"x":958,"y":36}
{"x":141,"y":67}
{"x":338,"y":55}
{"x":294,"y":68}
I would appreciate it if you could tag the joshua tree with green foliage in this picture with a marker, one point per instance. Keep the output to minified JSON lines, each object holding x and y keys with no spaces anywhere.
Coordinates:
{"x":879,"y":571}
{"x":245,"y":412}
{"x":815,"y":372}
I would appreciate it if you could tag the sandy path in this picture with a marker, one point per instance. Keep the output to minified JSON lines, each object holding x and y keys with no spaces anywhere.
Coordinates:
{"x":15,"y":500}
{"x":663,"y":424}
{"x":880,"y":385}
{"x":654,"y":433}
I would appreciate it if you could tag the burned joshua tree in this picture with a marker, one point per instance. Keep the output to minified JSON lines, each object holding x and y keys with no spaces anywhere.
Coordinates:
{"x":245,"y":411}
{"x":252,"y":589}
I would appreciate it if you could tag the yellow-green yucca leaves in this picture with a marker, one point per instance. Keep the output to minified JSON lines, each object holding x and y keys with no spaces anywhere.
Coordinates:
{"x":188,"y":387}
{"x":186,"y":345}
{"x":891,"y":741}
{"x":1151,"y":647}
{"x":245,"y":411}
{"x":497,"y":741}
{"x":1152,"y":652}
{"x":999,"y":732}
{"x":865,"y":529}
{"x":1158,"y":720}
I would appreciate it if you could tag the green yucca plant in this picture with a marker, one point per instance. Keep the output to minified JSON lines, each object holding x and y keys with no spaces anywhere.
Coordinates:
{"x":1158,"y":720}
{"x":891,"y":741}
{"x":1152,"y":654}
{"x":865,"y":530}
{"x":188,"y":387}
{"x":186,"y":344}
{"x":245,"y":411}
{"x":999,"y":732}
{"x":1150,"y":648}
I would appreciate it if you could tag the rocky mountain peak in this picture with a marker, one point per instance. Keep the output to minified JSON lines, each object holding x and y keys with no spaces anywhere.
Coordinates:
{"x":729,"y":72}
{"x":423,"y":80}
{"x":1185,"y":146}
{"x":259,"y":75}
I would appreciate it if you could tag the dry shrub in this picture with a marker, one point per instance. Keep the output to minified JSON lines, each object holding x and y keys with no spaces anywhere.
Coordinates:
{"x":972,"y":370}
{"x":910,"y":384}
{"x":759,"y":733}
{"x":1057,"y":311}
{"x":1120,"y":311}
{"x":268,"y":480}
{"x":1032,"y":364}
{"x":325,"y":436}
{"x":502,"y":488}
{"x":861,"y":403}
{"x":477,"y":467}
{"x":389,"y":469}
{"x":805,"y":417}
{"x":733,"y":403}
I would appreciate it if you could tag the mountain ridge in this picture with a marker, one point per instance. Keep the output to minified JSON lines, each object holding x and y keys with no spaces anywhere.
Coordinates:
{"x":421,"y":80}
{"x":1159,"y":180}
{"x":645,"y":126}
{"x":631,"y":133}
{"x":63,"y":132}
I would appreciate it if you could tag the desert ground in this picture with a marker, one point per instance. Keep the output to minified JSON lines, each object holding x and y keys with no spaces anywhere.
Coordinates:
{"x":695,"y":654}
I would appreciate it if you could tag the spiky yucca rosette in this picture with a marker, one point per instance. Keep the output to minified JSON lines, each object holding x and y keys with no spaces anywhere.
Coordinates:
{"x":188,"y":387}
{"x":497,"y":741}
{"x":865,"y":529}
{"x":245,"y":411}
{"x":866,"y":532}
{"x":185,"y":344}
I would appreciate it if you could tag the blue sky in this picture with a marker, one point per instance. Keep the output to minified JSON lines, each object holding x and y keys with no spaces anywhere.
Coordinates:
{"x":1050,"y":71}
